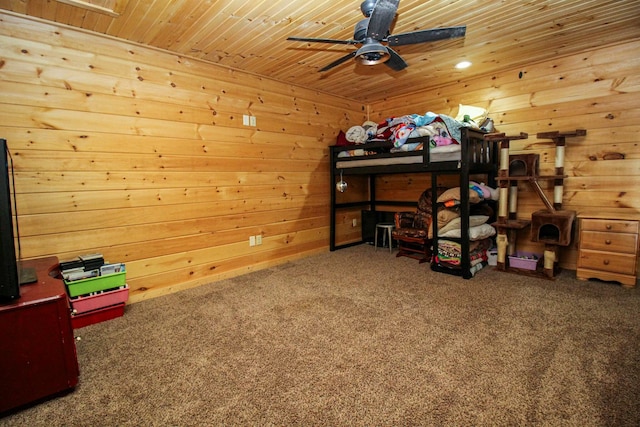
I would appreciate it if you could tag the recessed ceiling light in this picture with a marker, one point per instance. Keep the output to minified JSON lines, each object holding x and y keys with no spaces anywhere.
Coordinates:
{"x":463,"y":64}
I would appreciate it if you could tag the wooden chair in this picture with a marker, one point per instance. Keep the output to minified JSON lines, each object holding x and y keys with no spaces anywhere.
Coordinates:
{"x":412,"y":229}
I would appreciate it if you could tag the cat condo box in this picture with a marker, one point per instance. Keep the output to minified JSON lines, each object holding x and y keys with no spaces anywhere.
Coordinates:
{"x":525,"y":260}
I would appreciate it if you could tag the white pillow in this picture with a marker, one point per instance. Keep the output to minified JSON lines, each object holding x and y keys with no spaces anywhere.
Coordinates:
{"x":477,"y":114}
{"x":477,"y":232}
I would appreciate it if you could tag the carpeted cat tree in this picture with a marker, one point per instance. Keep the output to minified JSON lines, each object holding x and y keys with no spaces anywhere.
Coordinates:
{"x":551,"y":226}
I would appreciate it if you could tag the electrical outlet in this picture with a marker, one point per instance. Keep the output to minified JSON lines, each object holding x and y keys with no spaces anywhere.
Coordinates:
{"x":354,"y":222}
{"x":252,"y":121}
{"x":252,"y":240}
{"x":258,"y":239}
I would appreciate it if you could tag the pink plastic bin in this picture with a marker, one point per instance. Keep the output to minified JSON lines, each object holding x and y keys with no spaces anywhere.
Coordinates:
{"x":97,"y":316}
{"x":525,"y":260}
{"x":86,"y":303}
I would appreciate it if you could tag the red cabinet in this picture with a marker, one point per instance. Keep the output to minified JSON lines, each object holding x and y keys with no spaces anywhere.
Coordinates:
{"x":37,"y":349}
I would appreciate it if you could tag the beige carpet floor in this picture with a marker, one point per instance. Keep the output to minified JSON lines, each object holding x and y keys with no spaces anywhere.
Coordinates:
{"x":359,"y":337}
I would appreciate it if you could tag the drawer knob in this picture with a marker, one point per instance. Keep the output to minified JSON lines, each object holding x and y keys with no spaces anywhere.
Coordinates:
{"x":608,"y":242}
{"x":608,"y":226}
{"x":605,"y":262}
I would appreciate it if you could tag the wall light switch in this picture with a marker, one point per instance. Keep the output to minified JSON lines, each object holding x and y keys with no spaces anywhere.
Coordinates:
{"x":245,"y":120}
{"x":252,"y":240}
{"x":354,"y":223}
{"x":258,"y":239}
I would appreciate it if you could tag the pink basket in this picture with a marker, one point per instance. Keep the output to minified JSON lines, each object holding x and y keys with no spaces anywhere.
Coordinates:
{"x":525,"y":260}
{"x":86,"y":303}
{"x":97,"y":316}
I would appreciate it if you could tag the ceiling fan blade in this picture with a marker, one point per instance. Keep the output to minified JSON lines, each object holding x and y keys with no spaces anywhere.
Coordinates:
{"x":395,"y":61}
{"x":424,"y":36}
{"x":339,"y":61}
{"x":312,"y":40}
{"x":381,"y":18}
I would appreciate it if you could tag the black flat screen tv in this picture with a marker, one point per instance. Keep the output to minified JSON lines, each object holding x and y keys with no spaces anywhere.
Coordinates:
{"x":12,"y":275}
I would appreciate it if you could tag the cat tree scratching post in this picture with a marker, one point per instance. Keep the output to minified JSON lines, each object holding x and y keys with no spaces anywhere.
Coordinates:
{"x":507,"y":224}
{"x":553,"y":226}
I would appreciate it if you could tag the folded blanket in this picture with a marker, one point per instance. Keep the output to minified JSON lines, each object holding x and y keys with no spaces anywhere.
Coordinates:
{"x":450,"y":251}
{"x":445,"y":216}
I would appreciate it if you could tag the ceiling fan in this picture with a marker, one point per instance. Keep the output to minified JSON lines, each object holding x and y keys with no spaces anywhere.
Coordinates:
{"x":374,"y":29}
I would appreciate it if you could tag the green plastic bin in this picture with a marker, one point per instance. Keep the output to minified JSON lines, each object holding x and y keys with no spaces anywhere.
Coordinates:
{"x":95,"y":284}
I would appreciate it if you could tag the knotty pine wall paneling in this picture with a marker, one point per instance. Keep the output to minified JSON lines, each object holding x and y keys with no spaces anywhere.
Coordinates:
{"x":142,"y":155}
{"x":597,"y":90}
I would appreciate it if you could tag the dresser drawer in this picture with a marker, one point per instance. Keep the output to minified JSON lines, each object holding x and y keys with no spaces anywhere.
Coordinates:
{"x":610,"y":242}
{"x":610,"y":225}
{"x":607,"y":261}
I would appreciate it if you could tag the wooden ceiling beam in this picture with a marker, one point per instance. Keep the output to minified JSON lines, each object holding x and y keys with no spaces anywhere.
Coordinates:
{"x":112,"y":8}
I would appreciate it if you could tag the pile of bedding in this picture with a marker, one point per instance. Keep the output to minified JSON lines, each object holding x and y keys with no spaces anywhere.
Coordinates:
{"x":441,"y":129}
{"x":449,"y":251}
{"x":443,"y":132}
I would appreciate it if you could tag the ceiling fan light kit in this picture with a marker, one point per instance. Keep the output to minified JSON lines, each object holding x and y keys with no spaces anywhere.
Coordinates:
{"x":374,"y":30}
{"x":372,"y":53}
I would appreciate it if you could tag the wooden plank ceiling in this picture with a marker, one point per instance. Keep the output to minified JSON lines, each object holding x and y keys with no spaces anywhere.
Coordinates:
{"x":251,"y":35}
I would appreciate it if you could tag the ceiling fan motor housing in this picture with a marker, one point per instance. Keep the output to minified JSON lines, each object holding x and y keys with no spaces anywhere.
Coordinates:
{"x":367,"y":7}
{"x":360,"y":32}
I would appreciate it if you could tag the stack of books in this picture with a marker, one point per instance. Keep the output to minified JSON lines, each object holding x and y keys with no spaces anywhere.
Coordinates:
{"x":92,"y":261}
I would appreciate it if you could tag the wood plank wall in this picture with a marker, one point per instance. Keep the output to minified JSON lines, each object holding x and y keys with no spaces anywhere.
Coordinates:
{"x":597,"y":90}
{"x":142,"y":156}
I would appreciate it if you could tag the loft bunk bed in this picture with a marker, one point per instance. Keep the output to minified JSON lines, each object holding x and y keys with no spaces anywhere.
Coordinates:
{"x":472,"y":155}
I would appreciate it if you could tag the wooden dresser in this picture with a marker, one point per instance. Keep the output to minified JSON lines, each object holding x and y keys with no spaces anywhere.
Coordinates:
{"x":37,"y":350}
{"x":608,"y":248}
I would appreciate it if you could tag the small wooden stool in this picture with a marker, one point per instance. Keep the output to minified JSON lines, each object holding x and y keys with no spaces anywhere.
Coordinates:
{"x":387,"y":228}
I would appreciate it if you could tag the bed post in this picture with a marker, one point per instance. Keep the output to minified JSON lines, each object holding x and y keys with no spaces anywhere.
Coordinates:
{"x":434,"y":219}
{"x":332,"y":221}
{"x":468,"y":147}
{"x":372,"y":191}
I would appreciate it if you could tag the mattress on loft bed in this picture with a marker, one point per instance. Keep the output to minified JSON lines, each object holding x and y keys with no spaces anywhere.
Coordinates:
{"x":436,"y":154}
